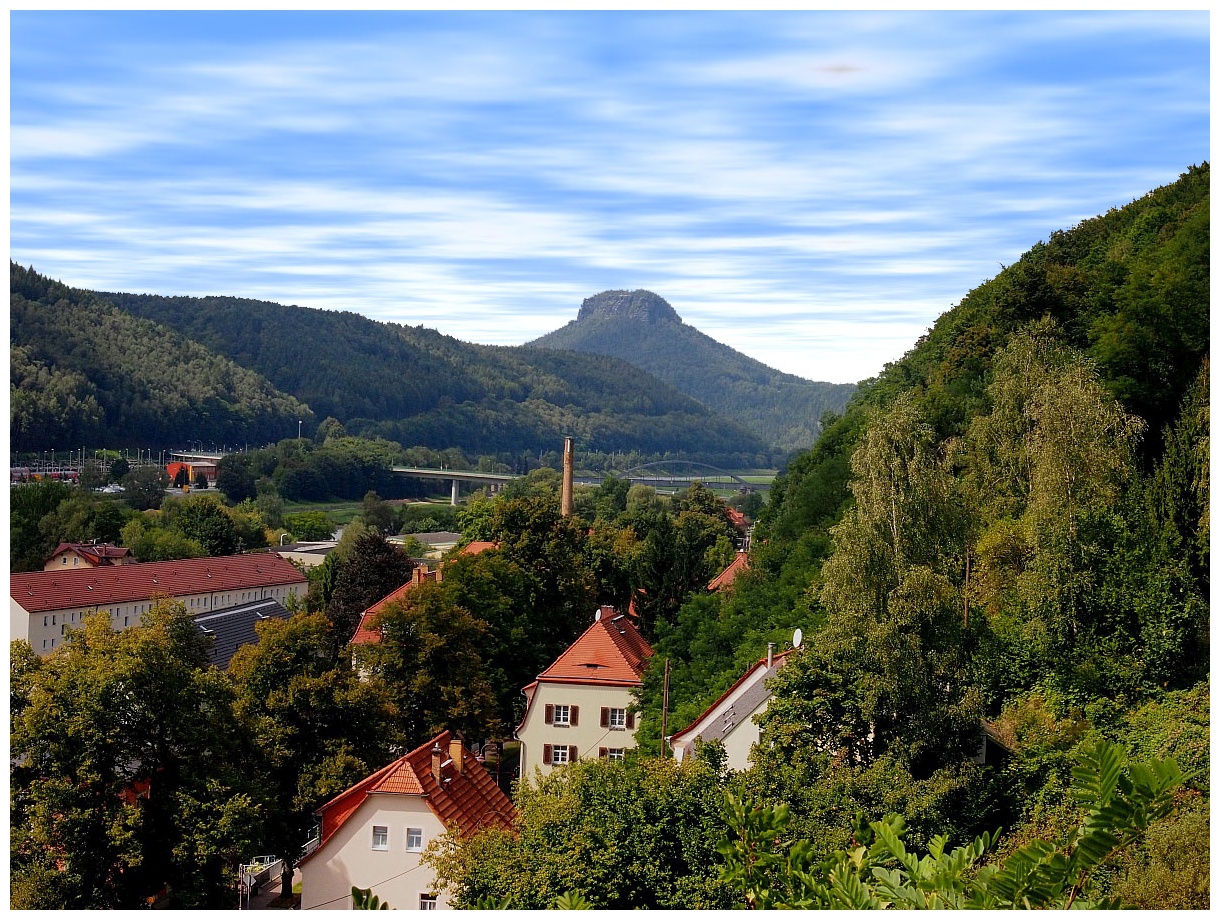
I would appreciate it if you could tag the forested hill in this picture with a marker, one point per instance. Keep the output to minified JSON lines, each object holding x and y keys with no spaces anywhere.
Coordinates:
{"x":644,"y":329}
{"x":82,"y":372}
{"x":418,"y":387}
{"x":1010,"y":523}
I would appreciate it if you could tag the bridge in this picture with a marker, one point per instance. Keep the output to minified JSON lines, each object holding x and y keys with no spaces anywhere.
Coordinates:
{"x":663,"y":474}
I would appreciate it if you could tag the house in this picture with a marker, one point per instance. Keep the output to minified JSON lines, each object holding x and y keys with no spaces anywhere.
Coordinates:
{"x":307,"y":554}
{"x":580,"y":706}
{"x":731,"y":718}
{"x":366,"y":632}
{"x":44,"y":606}
{"x":233,"y":627}
{"x":87,"y":555}
{"x":724,"y":581}
{"x":374,"y":833}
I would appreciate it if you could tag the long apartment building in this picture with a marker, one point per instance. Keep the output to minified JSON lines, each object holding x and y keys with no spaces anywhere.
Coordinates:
{"x":45,"y":606}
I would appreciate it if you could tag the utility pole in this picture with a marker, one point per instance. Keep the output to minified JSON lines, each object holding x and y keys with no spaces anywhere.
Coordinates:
{"x":665,"y":708}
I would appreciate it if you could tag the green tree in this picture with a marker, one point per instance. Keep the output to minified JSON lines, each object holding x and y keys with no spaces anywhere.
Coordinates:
{"x":1121,"y":800}
{"x":430,"y":658}
{"x":144,"y":487}
{"x":118,"y":469}
{"x":182,"y":477}
{"x":125,"y":775}
{"x":149,"y":541}
{"x":201,"y":481}
{"x":310,"y":525}
{"x":377,"y":513}
{"x":204,"y":520}
{"x":639,"y":834}
{"x":235,"y":477}
{"x":318,"y":727}
{"x":373,"y":568}
{"x":29,"y":503}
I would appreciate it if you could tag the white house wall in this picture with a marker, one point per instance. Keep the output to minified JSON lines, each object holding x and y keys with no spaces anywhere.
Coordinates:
{"x":587,"y":736}
{"x":396,"y":876}
{"x":47,"y":631}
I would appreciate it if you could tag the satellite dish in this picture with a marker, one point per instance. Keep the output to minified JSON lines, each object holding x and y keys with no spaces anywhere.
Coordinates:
{"x":797,"y":636}
{"x":597,"y":615}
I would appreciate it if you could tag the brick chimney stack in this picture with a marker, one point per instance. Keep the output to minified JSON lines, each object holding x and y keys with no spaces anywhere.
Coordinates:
{"x":565,"y":495}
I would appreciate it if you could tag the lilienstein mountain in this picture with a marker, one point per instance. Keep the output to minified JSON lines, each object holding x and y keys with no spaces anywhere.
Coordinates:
{"x":234,"y":370}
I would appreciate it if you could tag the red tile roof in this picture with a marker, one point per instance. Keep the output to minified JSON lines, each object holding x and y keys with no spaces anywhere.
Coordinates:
{"x":467,"y":800}
{"x":610,"y":652}
{"x":729,"y":575}
{"x":477,"y":546}
{"x":367,"y":632}
{"x":41,"y":591}
{"x":96,"y":553}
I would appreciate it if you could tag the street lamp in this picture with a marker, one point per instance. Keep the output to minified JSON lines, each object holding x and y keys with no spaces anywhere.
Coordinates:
{"x":298,"y":429}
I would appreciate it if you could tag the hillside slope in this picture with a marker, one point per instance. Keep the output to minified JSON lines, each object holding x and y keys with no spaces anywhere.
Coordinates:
{"x":419,"y":387}
{"x":642,"y":328}
{"x":82,"y":371}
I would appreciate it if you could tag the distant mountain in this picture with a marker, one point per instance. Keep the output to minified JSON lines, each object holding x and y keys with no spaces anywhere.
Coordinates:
{"x":418,"y":387}
{"x":642,"y":328}
{"x":82,"y":372}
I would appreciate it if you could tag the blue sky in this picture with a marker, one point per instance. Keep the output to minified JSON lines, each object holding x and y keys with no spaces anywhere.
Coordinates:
{"x":813,"y":189}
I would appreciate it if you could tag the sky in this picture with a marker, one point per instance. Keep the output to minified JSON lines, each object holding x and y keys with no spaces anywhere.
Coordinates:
{"x":811,"y":188}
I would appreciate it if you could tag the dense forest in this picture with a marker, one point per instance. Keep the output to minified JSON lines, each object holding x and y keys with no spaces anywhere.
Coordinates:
{"x":643,"y":329}
{"x":82,"y":371}
{"x":418,"y":387}
{"x":1005,"y":534}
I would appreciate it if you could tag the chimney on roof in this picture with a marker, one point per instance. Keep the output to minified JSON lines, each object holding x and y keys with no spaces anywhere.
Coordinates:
{"x":565,"y":494}
{"x":437,"y":754}
{"x":457,"y":753}
{"x":770,"y":655}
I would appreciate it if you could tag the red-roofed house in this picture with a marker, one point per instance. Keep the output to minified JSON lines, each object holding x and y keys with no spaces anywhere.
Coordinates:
{"x":366,"y":632}
{"x":725,"y":579}
{"x":373,"y":834}
{"x":579,"y":706}
{"x":731,"y":718}
{"x":44,"y":606}
{"x":87,"y":556}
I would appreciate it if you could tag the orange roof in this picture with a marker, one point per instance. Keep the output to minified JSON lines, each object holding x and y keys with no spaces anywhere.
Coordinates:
{"x":610,"y":652}
{"x":37,"y":592}
{"x":367,"y":632}
{"x":729,"y":575}
{"x":737,"y":519}
{"x":477,"y":546}
{"x":466,"y":799}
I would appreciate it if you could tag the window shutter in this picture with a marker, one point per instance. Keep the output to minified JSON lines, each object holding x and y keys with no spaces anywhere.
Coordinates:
{"x":603,"y":753}
{"x":571,"y":753}
{"x":574,"y":716}
{"x":630,"y":719}
{"x":605,"y":718}
{"x":548,"y":716}
{"x":546,"y":753}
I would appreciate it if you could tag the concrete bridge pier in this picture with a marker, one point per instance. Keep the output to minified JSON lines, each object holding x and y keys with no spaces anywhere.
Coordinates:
{"x":453,"y":492}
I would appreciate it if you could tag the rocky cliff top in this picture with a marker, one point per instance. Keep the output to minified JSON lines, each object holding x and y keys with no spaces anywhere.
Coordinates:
{"x":643,"y":306}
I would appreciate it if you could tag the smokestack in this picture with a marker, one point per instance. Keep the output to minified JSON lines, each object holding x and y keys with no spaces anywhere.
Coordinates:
{"x":565,"y":495}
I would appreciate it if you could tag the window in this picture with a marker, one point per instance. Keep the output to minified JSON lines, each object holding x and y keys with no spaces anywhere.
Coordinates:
{"x":561,"y":714}
{"x":415,"y":839}
{"x":381,"y":837}
{"x":617,"y":719}
{"x":427,"y":902}
{"x":614,"y":754}
{"x":559,"y":754}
